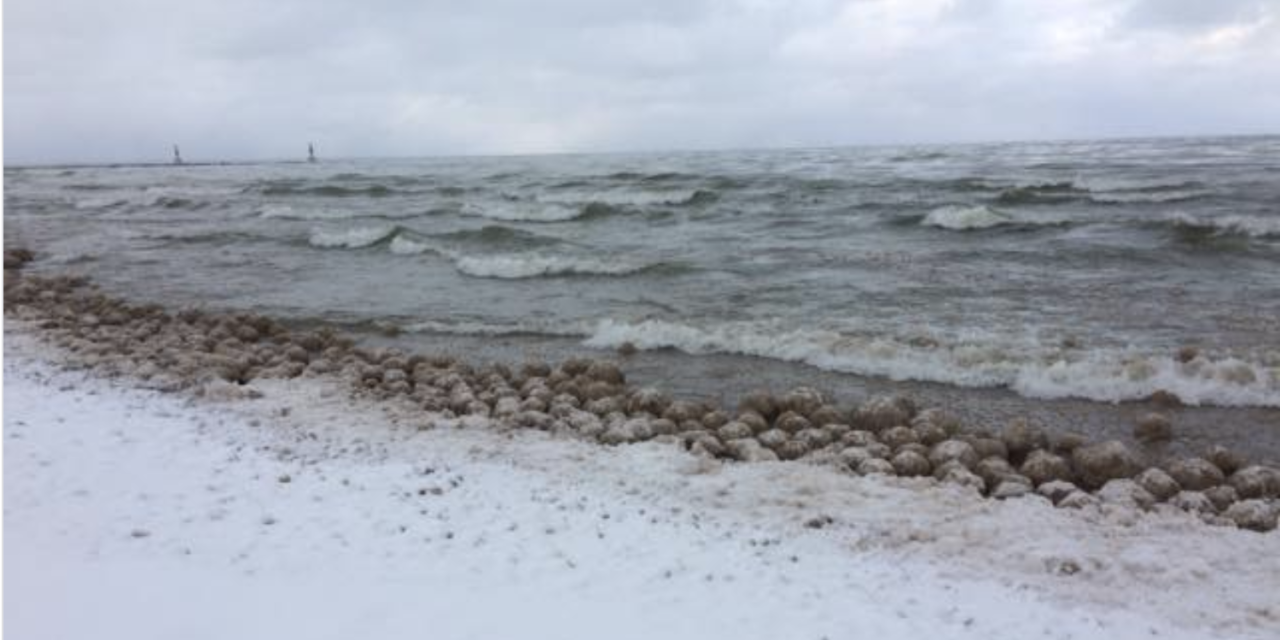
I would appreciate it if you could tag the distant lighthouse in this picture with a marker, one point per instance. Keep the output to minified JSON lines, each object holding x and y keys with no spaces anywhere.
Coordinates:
{"x":311,"y":152}
{"x":177,"y":157}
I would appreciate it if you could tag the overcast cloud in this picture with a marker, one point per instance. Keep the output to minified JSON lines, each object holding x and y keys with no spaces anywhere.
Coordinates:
{"x":87,"y":80}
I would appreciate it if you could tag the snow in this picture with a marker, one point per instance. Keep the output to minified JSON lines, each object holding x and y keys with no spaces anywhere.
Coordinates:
{"x":136,"y":514}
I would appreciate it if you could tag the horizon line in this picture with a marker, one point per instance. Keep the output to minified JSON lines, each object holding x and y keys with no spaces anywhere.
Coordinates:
{"x":302,"y":159}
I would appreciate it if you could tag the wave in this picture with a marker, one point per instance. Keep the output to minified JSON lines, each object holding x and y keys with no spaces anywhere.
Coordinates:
{"x":400,"y":245}
{"x":477,"y":328}
{"x":495,"y":235}
{"x":920,"y":156}
{"x":534,"y":265}
{"x":139,"y":200}
{"x":205,"y":237}
{"x":169,"y":202}
{"x":524,"y":211}
{"x":325,"y":191}
{"x":972,"y":218}
{"x":664,"y":176}
{"x":634,"y":198}
{"x":1147,"y":197}
{"x":1094,"y":190}
{"x":354,"y":238}
{"x":1034,"y":371}
{"x":592,"y":205}
{"x":960,"y":218}
{"x":1229,"y":225}
{"x":99,"y":203}
{"x":1046,"y":193}
{"x":286,"y":212}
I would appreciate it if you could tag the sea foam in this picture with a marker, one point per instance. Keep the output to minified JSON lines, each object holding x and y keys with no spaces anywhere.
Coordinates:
{"x":524,"y":211}
{"x":1251,"y":226}
{"x":353,"y":238}
{"x":964,"y":218}
{"x":1031,"y":369}
{"x":403,"y":246}
{"x":533,"y":265}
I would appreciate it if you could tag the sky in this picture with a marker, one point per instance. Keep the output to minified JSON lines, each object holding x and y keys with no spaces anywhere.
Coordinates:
{"x":93,"y":81}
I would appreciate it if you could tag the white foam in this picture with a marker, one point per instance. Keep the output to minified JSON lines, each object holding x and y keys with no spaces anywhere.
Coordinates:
{"x":567,"y":329}
{"x":278,"y":211}
{"x":621,"y":197}
{"x":401,"y":245}
{"x":1029,"y":368}
{"x":1147,"y":197}
{"x":532,"y":265}
{"x":964,"y":218}
{"x":1252,"y":226}
{"x":101,"y":202}
{"x":353,"y":238}
{"x":286,"y":212}
{"x":524,"y":211}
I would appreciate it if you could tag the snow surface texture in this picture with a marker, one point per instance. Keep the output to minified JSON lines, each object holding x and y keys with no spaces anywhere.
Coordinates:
{"x":306,"y":514}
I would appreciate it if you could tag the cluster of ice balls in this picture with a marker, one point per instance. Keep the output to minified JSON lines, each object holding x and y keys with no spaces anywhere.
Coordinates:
{"x":215,"y":353}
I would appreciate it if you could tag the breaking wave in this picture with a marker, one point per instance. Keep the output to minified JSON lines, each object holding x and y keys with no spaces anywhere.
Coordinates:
{"x":1239,"y":225}
{"x":524,"y":211}
{"x":99,"y":203}
{"x":354,"y":238}
{"x":585,"y":206}
{"x":1148,"y":196}
{"x":288,"y":212}
{"x":326,"y":191}
{"x":480,"y":328}
{"x":962,"y":218}
{"x":1048,"y":193}
{"x":1034,"y":371}
{"x":533,"y":265}
{"x":965,"y":218}
{"x":400,"y":245}
{"x":496,"y":236}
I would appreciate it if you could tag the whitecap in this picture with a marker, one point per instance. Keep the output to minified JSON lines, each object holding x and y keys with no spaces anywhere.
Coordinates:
{"x":532,"y":265}
{"x":401,"y":245}
{"x":1029,"y":368}
{"x":524,"y":211}
{"x":475,"y":328}
{"x":353,"y":238}
{"x":965,"y":218}
{"x":1252,"y":226}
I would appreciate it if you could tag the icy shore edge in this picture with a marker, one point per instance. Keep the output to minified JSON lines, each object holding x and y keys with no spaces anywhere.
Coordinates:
{"x":307,"y":513}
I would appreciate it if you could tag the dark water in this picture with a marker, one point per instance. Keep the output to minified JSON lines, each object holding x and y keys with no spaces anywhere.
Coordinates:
{"x":1041,"y":271}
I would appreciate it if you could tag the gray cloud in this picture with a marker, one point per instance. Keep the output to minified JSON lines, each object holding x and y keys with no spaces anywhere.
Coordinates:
{"x":1198,"y":14}
{"x":238,"y":79}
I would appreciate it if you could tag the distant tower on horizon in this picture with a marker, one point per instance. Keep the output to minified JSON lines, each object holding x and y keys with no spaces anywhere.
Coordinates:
{"x":177,"y":157}
{"x":311,"y":152}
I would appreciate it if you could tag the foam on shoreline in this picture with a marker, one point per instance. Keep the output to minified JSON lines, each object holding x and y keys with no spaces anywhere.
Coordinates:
{"x":1032,"y":370}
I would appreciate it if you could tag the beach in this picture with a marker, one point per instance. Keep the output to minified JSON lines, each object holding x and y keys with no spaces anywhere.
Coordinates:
{"x":297,"y":501}
{"x":306,"y":513}
{"x":823,"y":320}
{"x":1064,"y":283}
{"x":969,"y":391}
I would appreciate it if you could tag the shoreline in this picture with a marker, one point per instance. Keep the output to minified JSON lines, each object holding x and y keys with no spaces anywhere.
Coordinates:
{"x":723,"y":378}
{"x":344,"y":513}
{"x":219,"y":354}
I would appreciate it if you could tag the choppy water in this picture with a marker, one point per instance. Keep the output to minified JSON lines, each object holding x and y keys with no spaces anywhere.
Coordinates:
{"x":1052,"y":269}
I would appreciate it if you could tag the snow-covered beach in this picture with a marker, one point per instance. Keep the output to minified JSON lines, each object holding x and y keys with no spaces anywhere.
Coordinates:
{"x":307,"y":513}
